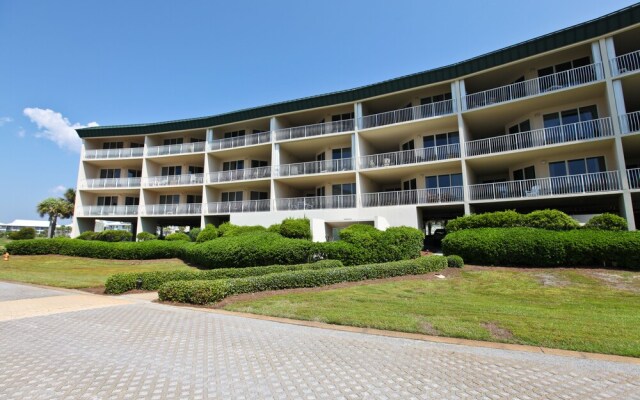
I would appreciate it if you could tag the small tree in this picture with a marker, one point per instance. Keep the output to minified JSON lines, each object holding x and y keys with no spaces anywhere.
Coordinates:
{"x":54,"y":208}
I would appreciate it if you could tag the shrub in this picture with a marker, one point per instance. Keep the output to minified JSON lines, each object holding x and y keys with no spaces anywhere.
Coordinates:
{"x":22,"y":234}
{"x":348,"y":253}
{"x":211,"y":291}
{"x":532,"y":247}
{"x":550,"y":219}
{"x":146,"y":236}
{"x":402,"y":242}
{"x":114,"y":236}
{"x":193,"y":233}
{"x":87,"y":235}
{"x":275,"y":228}
{"x":178,"y":236}
{"x":607,"y":222}
{"x":120,"y":283}
{"x":36,"y":247}
{"x":296,"y":228}
{"x":229,"y":229}
{"x":250,"y":250}
{"x":209,"y":232}
{"x":455,"y":261}
{"x":499,"y":219}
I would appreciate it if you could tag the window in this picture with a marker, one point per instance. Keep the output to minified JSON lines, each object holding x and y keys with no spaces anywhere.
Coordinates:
{"x":563,"y":126}
{"x":435,"y":99}
{"x":169,"y":142}
{"x":169,"y":199}
{"x":109,"y":173}
{"x":320,"y":191}
{"x":259,"y":163}
{"x":231,"y":196}
{"x":410,"y":145}
{"x":233,"y":134}
{"x":565,"y":66}
{"x":196,"y":140}
{"x":549,"y":81}
{"x":343,"y":189}
{"x":341,"y":117}
{"x":112,"y":145}
{"x":132,"y":201}
{"x":172,"y":170}
{"x":232,"y":165}
{"x":320,"y":157}
{"x":524,"y":126}
{"x":440,"y":181}
{"x":438,"y":108}
{"x":441,"y":139}
{"x":195,"y":169}
{"x":259,"y":196}
{"x":524,"y":173}
{"x":107,"y":200}
{"x":409,"y":185}
{"x":134,"y":173}
{"x":194,"y":198}
{"x":434,"y":142}
{"x":578,"y":166}
{"x":338,"y":154}
{"x":136,"y":145}
{"x":445,"y":187}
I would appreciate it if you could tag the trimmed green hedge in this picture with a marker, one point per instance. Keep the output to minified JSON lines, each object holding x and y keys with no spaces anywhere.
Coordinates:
{"x":23,"y":234}
{"x":153,"y":249}
{"x":178,"y":237}
{"x":530,"y":247}
{"x":607,"y":222}
{"x":111,"y":235}
{"x":209,"y":232}
{"x":211,"y":291}
{"x":120,"y":283}
{"x":543,"y":219}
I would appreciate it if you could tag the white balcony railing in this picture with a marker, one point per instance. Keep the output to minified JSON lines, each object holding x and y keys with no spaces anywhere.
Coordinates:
{"x":109,"y":210}
{"x":173,"y":209}
{"x":114,"y":153}
{"x":314,"y":203}
{"x":174,"y":180}
{"x":549,"y":83}
{"x":630,"y":123}
{"x":227,"y":207}
{"x":408,"y":114}
{"x":240,"y":141}
{"x":410,"y":156}
{"x":625,"y":63}
{"x":315,"y":167}
{"x":110,"y":183}
{"x":239,"y":174}
{"x":183,"y":148}
{"x":579,"y":131}
{"x":556,"y":186}
{"x":324,"y":128}
{"x":419,"y":196}
{"x":633,"y":177}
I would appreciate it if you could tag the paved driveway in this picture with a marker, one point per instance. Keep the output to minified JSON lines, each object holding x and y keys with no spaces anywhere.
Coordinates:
{"x":133,"y":349}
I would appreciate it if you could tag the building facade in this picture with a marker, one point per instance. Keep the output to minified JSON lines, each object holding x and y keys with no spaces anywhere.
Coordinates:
{"x":553,"y":122}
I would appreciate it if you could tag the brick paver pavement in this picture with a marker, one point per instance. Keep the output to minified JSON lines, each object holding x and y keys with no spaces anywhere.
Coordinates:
{"x":143,"y":350}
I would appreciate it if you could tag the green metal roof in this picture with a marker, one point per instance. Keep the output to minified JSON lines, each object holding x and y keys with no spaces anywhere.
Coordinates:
{"x":587,"y":30}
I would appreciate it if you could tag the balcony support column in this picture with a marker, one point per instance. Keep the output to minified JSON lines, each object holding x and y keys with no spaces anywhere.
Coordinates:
{"x":596,"y":54}
{"x":458,"y":92}
{"x":76,"y":228}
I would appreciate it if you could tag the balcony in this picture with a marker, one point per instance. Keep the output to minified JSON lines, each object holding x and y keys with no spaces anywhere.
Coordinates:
{"x":239,"y":175}
{"x":415,"y":156}
{"x":114,"y":153}
{"x":174,"y":180}
{"x":173,"y":209}
{"x":556,"y":186}
{"x":227,"y":207}
{"x":109,"y":210}
{"x":633,"y":177}
{"x":625,"y":63}
{"x":315,"y":167}
{"x":408,"y":197}
{"x":315,"y":203}
{"x":184,"y":148}
{"x":240,"y":141}
{"x":110,"y":183}
{"x":630,"y":123}
{"x":416,"y":113}
{"x":580,"y":131}
{"x":533,"y":87}
{"x":325,"y":128}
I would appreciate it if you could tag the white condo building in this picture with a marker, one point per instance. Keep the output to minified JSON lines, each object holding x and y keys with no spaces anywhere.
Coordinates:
{"x":553,"y":122}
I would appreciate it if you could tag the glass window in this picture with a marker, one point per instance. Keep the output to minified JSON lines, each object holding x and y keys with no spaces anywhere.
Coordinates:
{"x":258,"y":163}
{"x":107,"y":200}
{"x":337,"y":154}
{"x":112,"y":145}
{"x":429,"y":141}
{"x":588,"y":113}
{"x":320,"y":191}
{"x":343,"y":189}
{"x":234,"y":134}
{"x":134,"y":173}
{"x":409,"y":185}
{"x":171,"y":170}
{"x":195,"y":169}
{"x":454,"y":138}
{"x":570,"y":117}
{"x":232,"y":165}
{"x":444,"y":181}
{"x":231,"y":196}
{"x":530,"y":172}
{"x":169,"y":199}
{"x":136,"y":145}
{"x":259,"y":195}
{"x":596,"y":164}
{"x":131,"y":201}
{"x":456,"y":179}
{"x":551,"y":120}
{"x":169,"y":142}
{"x":431,"y":182}
{"x":194,"y":198}
{"x":557,"y":168}
{"x":441,"y":139}
{"x":518,"y":175}
{"x":577,"y":166}
{"x":408,"y":145}
{"x":109,"y":173}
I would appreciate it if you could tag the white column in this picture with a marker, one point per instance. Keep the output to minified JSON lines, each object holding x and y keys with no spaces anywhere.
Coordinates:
{"x":78,"y":207}
{"x":463,"y":92}
{"x":597,"y":58}
{"x":611,"y":54}
{"x":620,"y":107}
{"x":275,"y":166}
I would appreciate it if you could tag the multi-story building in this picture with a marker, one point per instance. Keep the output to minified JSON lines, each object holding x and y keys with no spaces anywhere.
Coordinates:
{"x":553,"y":122}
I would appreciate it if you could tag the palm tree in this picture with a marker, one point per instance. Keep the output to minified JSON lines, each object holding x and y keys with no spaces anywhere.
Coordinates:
{"x":70,"y":196}
{"x":54,"y":208}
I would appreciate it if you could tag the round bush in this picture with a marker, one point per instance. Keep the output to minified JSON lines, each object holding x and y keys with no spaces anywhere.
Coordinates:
{"x":607,"y":222}
{"x":550,"y":219}
{"x":193,"y":233}
{"x":146,"y":236}
{"x":22,"y":234}
{"x":209,"y":232}
{"x":114,"y":236}
{"x":498,"y":219}
{"x":178,"y":236}
{"x":296,"y":228}
{"x":87,"y":235}
{"x":454,"y":261}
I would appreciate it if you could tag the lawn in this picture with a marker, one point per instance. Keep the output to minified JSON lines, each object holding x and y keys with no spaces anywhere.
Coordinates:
{"x":75,"y":272}
{"x":584,"y":310}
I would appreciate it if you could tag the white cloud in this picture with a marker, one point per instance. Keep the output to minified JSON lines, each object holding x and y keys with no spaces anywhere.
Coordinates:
{"x":5,"y":120}
{"x":53,"y":126}
{"x":58,"y":189}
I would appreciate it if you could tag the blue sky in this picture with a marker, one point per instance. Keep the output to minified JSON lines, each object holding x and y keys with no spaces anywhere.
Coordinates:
{"x":72,"y":63}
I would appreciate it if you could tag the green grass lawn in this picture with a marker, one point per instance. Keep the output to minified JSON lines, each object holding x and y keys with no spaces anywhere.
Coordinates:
{"x":75,"y":272}
{"x":584,"y":310}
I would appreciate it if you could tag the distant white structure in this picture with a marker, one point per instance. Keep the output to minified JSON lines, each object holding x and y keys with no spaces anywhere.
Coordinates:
{"x":16,"y":225}
{"x":102,"y":225}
